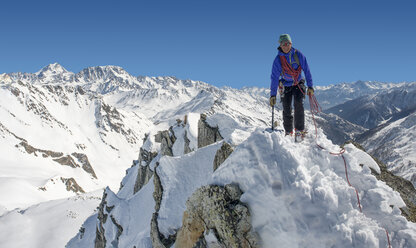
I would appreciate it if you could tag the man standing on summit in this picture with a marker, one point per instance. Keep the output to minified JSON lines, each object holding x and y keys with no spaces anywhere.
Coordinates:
{"x":287,"y":76}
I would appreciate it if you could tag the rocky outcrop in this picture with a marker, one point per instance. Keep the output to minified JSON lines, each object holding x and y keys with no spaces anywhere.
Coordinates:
{"x":32,"y":150}
{"x":158,"y":240}
{"x":186,"y":149}
{"x":104,"y":214}
{"x":114,"y":243}
{"x":60,"y":157}
{"x":167,"y":139}
{"x":100,"y":240}
{"x":207,"y":135}
{"x":72,"y":185}
{"x":218,"y":209}
{"x":86,"y":166}
{"x":143,"y":176}
{"x":222,"y":154}
{"x":66,"y":160}
{"x":401,"y":185}
{"x":144,"y":172}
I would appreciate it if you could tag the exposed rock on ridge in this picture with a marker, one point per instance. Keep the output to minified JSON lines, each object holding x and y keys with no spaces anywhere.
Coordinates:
{"x":219,"y":209}
{"x":207,"y":135}
{"x":222,"y":154}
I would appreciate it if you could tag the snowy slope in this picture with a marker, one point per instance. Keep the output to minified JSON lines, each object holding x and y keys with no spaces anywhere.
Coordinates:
{"x":53,"y":121}
{"x":395,"y":144}
{"x":56,"y":133}
{"x":297,"y":195}
{"x":49,"y":224}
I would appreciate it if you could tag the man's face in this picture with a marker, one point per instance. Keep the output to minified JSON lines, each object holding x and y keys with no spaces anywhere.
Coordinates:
{"x":286,"y":46}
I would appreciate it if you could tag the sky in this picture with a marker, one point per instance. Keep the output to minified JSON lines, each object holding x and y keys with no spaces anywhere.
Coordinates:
{"x":224,"y":43}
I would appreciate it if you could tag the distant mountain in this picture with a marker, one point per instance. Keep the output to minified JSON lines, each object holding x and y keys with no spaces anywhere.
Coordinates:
{"x":63,"y":134}
{"x":372,"y":110}
{"x":337,"y":129}
{"x":73,"y":133}
{"x":335,"y":94}
{"x":394,"y":143}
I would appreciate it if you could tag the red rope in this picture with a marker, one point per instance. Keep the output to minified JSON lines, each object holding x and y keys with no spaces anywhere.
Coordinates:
{"x":288,"y":69}
{"x":315,"y":109}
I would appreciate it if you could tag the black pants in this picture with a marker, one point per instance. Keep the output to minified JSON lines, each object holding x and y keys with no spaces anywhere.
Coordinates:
{"x":293,"y":92}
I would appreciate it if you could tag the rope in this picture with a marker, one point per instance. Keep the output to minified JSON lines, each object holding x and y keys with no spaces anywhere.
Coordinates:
{"x":288,"y":69}
{"x":315,"y":108}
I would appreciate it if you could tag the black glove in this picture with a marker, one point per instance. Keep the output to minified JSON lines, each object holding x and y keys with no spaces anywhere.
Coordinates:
{"x":272,"y":101}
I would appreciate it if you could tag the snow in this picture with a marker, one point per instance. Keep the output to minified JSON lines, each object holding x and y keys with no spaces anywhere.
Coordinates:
{"x":180,"y":177}
{"x":297,"y":193}
{"x":364,"y":158}
{"x":299,"y":197}
{"x":33,"y":227}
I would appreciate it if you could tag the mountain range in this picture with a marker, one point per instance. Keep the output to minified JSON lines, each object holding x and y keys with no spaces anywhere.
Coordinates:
{"x":64,"y":134}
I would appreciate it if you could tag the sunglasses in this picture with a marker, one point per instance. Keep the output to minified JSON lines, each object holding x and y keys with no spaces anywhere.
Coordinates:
{"x":285,"y":43}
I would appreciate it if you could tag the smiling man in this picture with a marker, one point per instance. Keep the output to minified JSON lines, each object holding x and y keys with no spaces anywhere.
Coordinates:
{"x":287,"y":76}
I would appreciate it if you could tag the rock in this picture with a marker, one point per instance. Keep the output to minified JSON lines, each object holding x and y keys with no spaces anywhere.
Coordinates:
{"x":72,"y":185}
{"x":86,"y":166}
{"x":144,"y":172}
{"x":158,"y":239}
{"x":186,"y":149}
{"x":158,"y":193}
{"x":67,"y":160}
{"x":166,"y":138}
{"x":207,"y":135}
{"x":219,"y":209}
{"x":100,"y":240}
{"x":114,"y":243}
{"x":45,"y":153}
{"x":222,"y":154}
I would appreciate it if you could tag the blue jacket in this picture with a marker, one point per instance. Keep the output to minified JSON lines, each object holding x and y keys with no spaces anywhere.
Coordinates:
{"x":288,"y":81}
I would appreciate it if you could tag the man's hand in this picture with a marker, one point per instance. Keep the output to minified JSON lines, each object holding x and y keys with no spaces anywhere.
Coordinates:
{"x":310,"y":91}
{"x":272,"y":101}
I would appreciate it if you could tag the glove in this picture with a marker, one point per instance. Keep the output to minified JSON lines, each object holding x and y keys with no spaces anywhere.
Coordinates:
{"x":310,"y":91}
{"x":272,"y":101}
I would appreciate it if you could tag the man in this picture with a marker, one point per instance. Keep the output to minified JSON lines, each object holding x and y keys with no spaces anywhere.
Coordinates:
{"x":287,"y":76}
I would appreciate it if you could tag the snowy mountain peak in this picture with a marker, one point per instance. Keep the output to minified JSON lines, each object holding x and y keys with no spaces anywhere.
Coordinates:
{"x":54,"y":68}
{"x":103,"y":73}
{"x":53,"y":73}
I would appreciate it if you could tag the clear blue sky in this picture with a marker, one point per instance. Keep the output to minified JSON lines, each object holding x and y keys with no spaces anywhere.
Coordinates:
{"x":220,"y":42}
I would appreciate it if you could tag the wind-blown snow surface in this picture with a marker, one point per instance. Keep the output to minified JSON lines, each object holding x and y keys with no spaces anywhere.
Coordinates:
{"x":296,"y":192}
{"x":299,"y":197}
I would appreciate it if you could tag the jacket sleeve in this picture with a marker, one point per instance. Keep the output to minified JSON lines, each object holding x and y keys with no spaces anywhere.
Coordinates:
{"x":305,"y":68}
{"x":276,"y":71}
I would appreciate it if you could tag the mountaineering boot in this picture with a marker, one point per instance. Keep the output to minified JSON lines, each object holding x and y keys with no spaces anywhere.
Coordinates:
{"x":288,"y":133}
{"x":299,"y":135}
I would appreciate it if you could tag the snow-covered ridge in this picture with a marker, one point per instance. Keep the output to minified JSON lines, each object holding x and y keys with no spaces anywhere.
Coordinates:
{"x":297,"y":195}
{"x":105,"y":113}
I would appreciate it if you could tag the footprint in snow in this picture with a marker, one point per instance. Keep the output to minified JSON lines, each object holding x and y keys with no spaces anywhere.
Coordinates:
{"x":277,"y":188}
